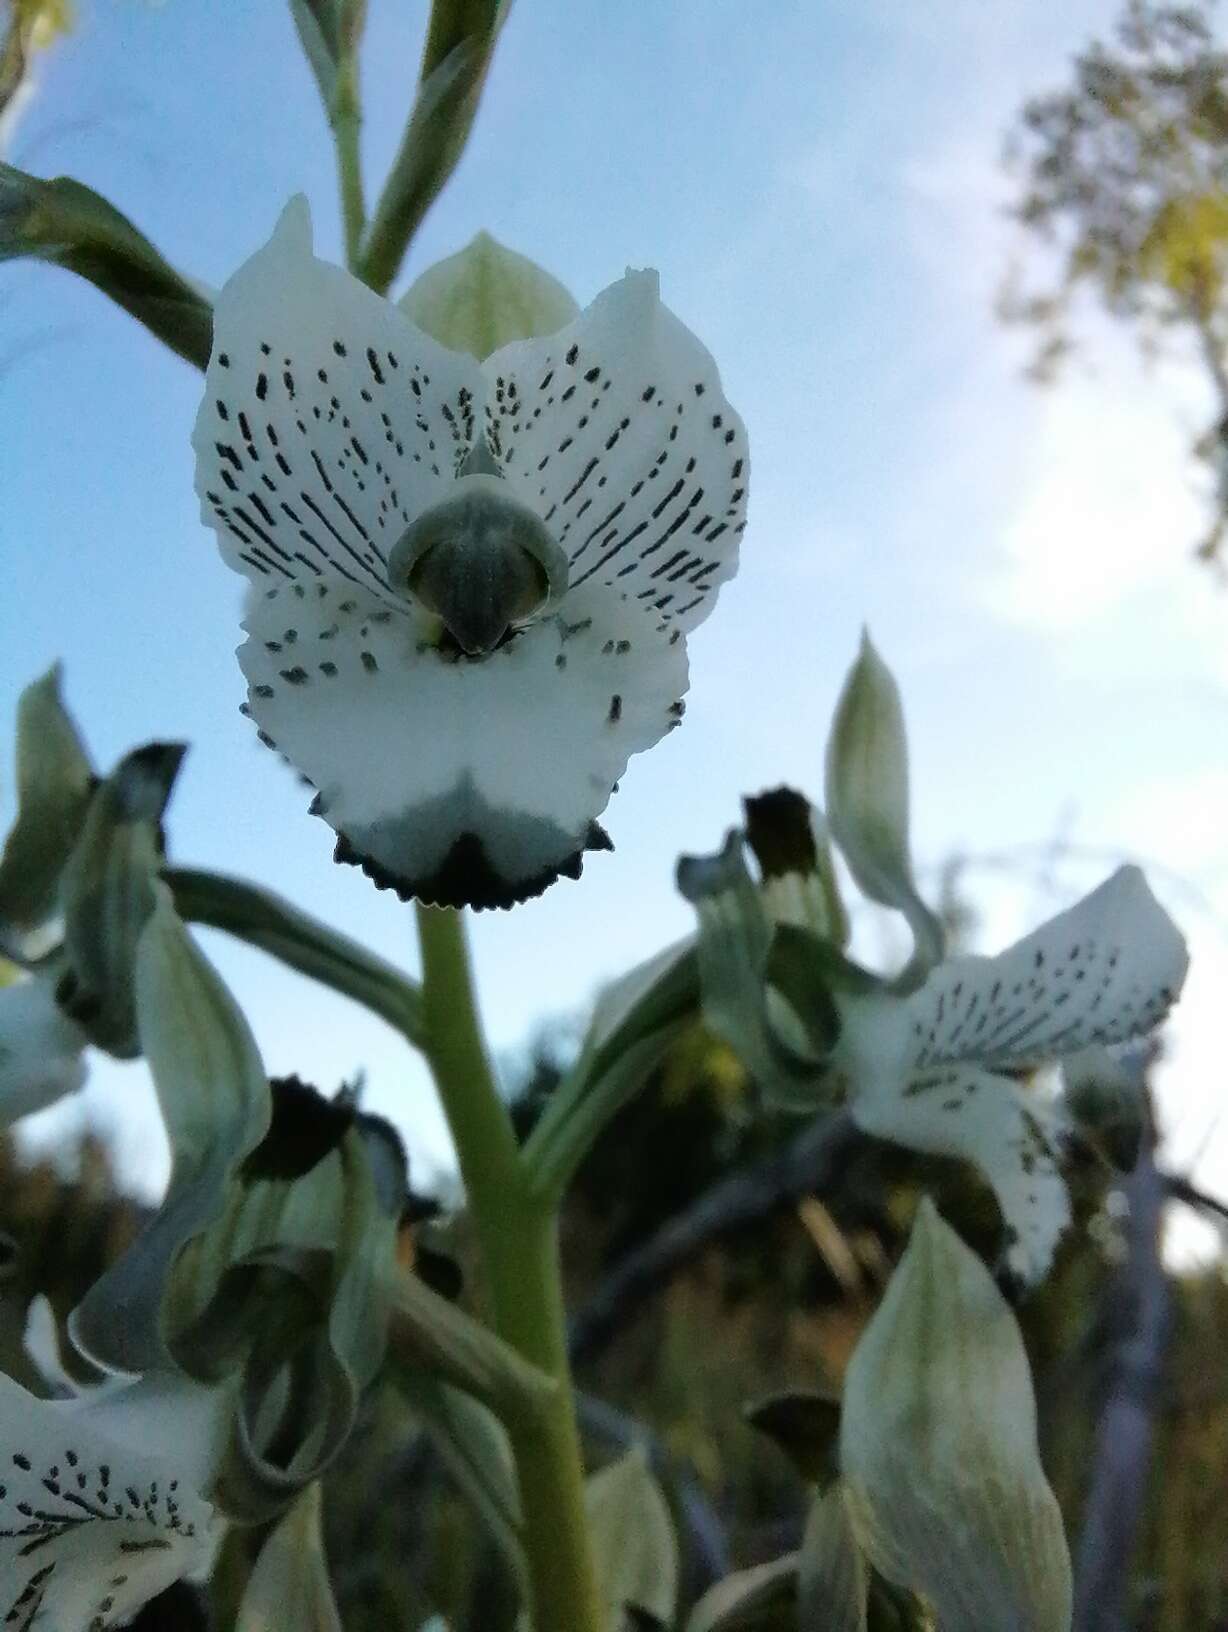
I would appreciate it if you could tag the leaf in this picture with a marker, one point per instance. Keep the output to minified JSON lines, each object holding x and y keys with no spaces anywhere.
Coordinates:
{"x":107,"y":894}
{"x":633,"y":1538}
{"x":938,"y":1447}
{"x":289,"y":1586}
{"x":476,"y":1450}
{"x":214,"y":1100}
{"x":460,"y":44}
{"x":72,"y":226}
{"x":264,"y":920}
{"x":635,"y":1022}
{"x":54,"y":783}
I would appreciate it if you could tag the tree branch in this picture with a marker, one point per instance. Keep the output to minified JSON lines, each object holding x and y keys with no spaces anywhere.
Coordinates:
{"x":1140,"y":1313}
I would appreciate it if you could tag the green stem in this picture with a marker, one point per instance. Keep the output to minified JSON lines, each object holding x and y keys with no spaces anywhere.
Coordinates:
{"x":346,"y":119}
{"x":518,"y":1233}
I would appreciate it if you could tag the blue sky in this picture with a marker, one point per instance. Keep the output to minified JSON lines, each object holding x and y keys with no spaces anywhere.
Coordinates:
{"x":819,"y":187}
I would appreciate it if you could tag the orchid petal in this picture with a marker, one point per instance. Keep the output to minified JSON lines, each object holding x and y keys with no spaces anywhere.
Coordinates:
{"x":329,"y":420}
{"x":1001,"y":1129}
{"x":616,"y":430}
{"x":1107,"y":970}
{"x":40,"y":1049}
{"x":90,"y":1529}
{"x":458,"y":782}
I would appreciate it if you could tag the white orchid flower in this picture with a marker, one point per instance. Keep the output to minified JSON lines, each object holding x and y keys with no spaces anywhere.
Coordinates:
{"x":936,"y":1070}
{"x":101,"y":1503}
{"x":475,"y":578}
{"x":40,"y":1049}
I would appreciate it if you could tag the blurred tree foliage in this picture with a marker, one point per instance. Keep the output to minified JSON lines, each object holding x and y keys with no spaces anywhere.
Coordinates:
{"x":1123,"y":191}
{"x":26,"y":28}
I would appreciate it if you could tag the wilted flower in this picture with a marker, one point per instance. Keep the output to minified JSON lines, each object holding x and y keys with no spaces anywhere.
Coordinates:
{"x":473,"y":579}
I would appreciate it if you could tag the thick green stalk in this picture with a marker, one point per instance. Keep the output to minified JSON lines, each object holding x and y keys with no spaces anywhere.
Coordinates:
{"x":518,"y":1234}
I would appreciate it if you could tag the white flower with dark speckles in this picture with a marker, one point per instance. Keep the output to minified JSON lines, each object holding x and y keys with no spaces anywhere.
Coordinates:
{"x":40,"y":1049}
{"x":100,"y":1504}
{"x":474,"y":579}
{"x":935,"y":1070}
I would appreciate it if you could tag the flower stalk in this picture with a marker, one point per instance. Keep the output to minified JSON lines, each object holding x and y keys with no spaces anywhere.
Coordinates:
{"x":518,"y":1234}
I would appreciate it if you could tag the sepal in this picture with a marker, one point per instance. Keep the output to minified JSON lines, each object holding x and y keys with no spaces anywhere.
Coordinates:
{"x":486,"y":296}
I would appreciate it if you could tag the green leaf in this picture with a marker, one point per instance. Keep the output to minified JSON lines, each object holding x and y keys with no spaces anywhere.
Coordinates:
{"x":633,"y":1538}
{"x":214,"y":1100}
{"x":460,"y":43}
{"x":54,"y":783}
{"x":477,"y":1452}
{"x":832,"y":1575}
{"x":71,"y":226}
{"x":264,"y":920}
{"x":867,"y":799}
{"x":635,"y":1022}
{"x":318,"y":23}
{"x":805,"y":1424}
{"x":486,"y":296}
{"x":938,"y":1447}
{"x":735,"y":939}
{"x":289,"y":1586}
{"x":429,"y":1332}
{"x":107,"y":895}
{"x":762,"y":1599}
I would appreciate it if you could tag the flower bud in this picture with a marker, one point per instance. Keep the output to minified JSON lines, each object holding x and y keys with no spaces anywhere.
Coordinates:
{"x":867,"y":795}
{"x":54,"y":782}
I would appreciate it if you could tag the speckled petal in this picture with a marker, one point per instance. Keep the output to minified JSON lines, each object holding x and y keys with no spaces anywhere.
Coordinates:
{"x":460,"y":782}
{"x":616,"y":430}
{"x":998,"y":1127}
{"x":90,"y":1528}
{"x":40,"y":1049}
{"x":329,"y":419}
{"x":1107,"y":970}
